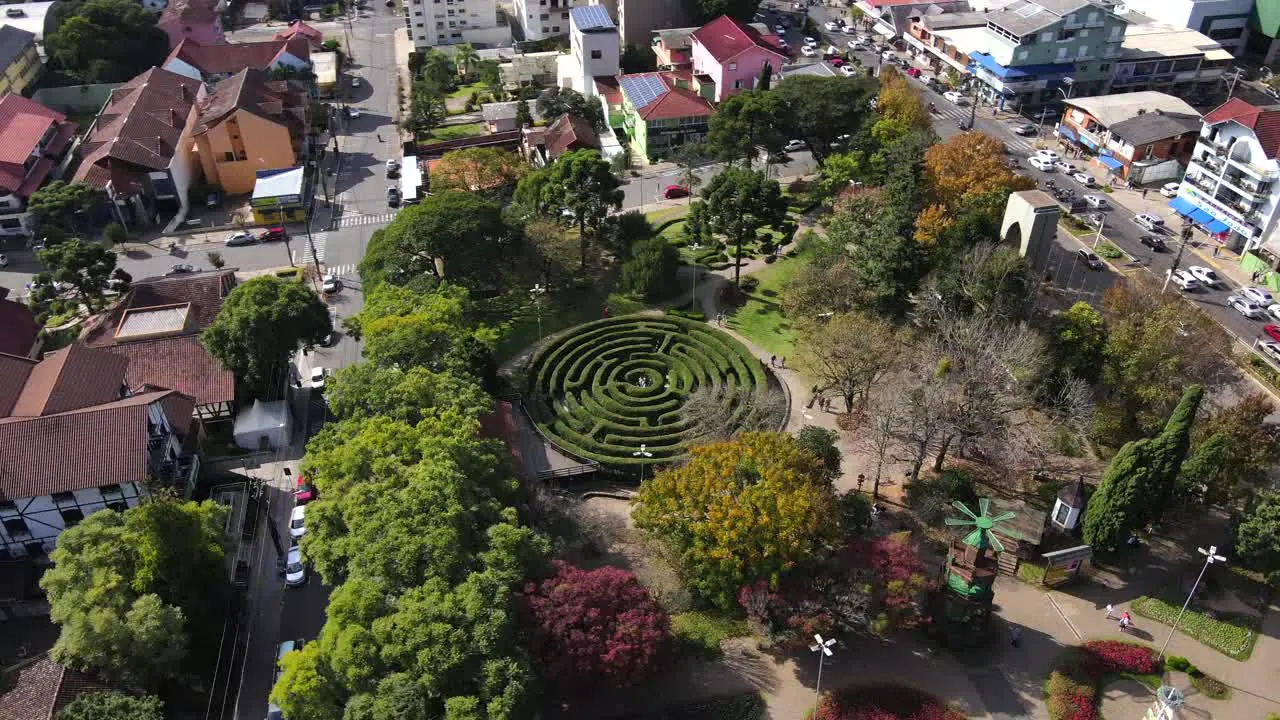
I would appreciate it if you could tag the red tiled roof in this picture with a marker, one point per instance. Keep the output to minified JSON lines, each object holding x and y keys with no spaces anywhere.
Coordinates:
{"x":14,"y":371}
{"x":278,"y":102}
{"x":608,"y":88}
{"x":204,"y":292}
{"x":33,"y":690}
{"x":18,"y":328}
{"x":227,"y":59}
{"x":177,"y":363}
{"x":70,"y":379}
{"x":676,"y":102}
{"x":296,"y":28}
{"x":23,"y":124}
{"x":101,"y":445}
{"x":189,"y":11}
{"x":726,"y":38}
{"x":1265,"y":124}
{"x":570,"y":132}
{"x":138,"y":129}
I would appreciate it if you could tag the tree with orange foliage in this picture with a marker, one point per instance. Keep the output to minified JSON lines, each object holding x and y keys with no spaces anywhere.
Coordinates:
{"x":492,"y":173}
{"x":968,"y":164}
{"x":930,"y":224}
{"x":899,"y":101}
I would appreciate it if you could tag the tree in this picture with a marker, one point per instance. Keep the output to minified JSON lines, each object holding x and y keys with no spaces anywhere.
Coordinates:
{"x":1231,"y":454}
{"x":704,"y":11}
{"x":524,"y":118}
{"x":898,"y":100}
{"x":426,"y":108}
{"x":1258,"y":538}
{"x":637,"y":59}
{"x":1140,"y":479}
{"x":435,"y":330}
{"x":262,"y":323}
{"x":592,"y":626}
{"x":739,"y":203}
{"x":720,"y":413}
{"x":988,"y":280}
{"x":818,"y":288}
{"x":453,"y":235}
{"x":821,"y":110}
{"x":407,"y":395}
{"x":688,"y":158}
{"x":582,"y":183}
{"x":898,"y":581}
{"x":114,"y":234}
{"x":490,"y":172}
{"x":437,"y":71}
{"x":59,"y":202}
{"x":850,"y":353}
{"x":557,"y":101}
{"x":756,"y":508}
{"x":650,"y":272}
{"x":968,"y":164}
{"x":1079,"y":337}
{"x":765,"y":79}
{"x":113,"y":706}
{"x":86,"y":267}
{"x":746,"y":123}
{"x":86,"y":44}
{"x":822,"y":443}
{"x":131,"y":591}
{"x":466,"y":57}
{"x":216,"y":259}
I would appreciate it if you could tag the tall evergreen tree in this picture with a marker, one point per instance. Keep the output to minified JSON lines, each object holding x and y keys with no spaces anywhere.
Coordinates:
{"x":766,"y":77}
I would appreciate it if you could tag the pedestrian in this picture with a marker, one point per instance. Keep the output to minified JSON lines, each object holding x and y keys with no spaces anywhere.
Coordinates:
{"x":1124,"y":625}
{"x":1254,"y":276}
{"x":782,"y":362}
{"x":1110,"y":612}
{"x":862,"y":479}
{"x":606,"y":311}
{"x":773,"y":361}
{"x":1144,"y":193}
{"x":1127,"y":620}
{"x":1215,"y":250}
{"x":1015,"y":636}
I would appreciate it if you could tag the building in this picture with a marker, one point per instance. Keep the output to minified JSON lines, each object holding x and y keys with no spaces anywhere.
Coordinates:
{"x":248,"y":124}
{"x":212,"y":63}
{"x":541,"y":19}
{"x":199,"y":20}
{"x":660,"y":113}
{"x":638,"y":19}
{"x":501,"y":116}
{"x":33,"y":141}
{"x":33,"y":17}
{"x":522,"y":69}
{"x":593,"y":50}
{"x":1224,"y":21}
{"x":729,"y":55}
{"x":542,"y":145}
{"x":816,"y":69}
{"x":156,"y":326}
{"x":39,"y":688}
{"x":281,"y":196}
{"x":893,"y":18}
{"x":1144,"y":137}
{"x":946,"y":40}
{"x":1157,"y":56}
{"x":109,"y":442}
{"x":1264,"y":30}
{"x":325,"y":67}
{"x":1231,"y":188}
{"x":19,"y":333}
{"x":297,"y":28}
{"x":140,"y":149}
{"x":432,"y":23}
{"x":1035,"y":52}
{"x":20,"y":62}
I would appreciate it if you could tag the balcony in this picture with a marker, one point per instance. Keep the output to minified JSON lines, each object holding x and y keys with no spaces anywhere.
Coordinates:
{"x":1257,"y":171}
{"x":1201,"y":181}
{"x":1213,"y":162}
{"x":1246,"y":185}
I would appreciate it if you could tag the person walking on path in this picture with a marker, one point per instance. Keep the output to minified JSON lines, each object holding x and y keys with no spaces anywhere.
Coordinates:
{"x":1015,"y":636}
{"x":773,"y":361}
{"x":1110,"y":612}
{"x":782,"y":362}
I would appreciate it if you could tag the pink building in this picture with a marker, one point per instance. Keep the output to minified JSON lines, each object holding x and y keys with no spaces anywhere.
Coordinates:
{"x":729,"y":55}
{"x":197,"y":20}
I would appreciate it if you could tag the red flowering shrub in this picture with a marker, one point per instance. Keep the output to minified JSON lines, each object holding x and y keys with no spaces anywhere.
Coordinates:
{"x":1070,"y":692}
{"x":593,"y":625}
{"x":898,"y":580}
{"x":883,"y":702}
{"x":1116,"y":656}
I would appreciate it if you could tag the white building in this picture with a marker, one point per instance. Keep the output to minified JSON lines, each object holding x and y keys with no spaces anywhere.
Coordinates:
{"x":593,"y":50}
{"x":523,"y":69}
{"x":30,"y":17}
{"x":1168,"y":58}
{"x":453,"y":22}
{"x":1232,"y":186}
{"x":544,"y":18}
{"x":1223,"y":20}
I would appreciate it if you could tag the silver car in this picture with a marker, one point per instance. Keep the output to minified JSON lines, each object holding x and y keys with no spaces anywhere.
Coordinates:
{"x":1245,"y":307}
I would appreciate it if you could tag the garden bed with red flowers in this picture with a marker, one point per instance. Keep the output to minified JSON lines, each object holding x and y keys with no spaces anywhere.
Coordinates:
{"x":883,"y":702}
{"x":1071,"y":692}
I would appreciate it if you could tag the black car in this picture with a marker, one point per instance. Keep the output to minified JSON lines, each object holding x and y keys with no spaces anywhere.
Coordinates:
{"x":1154,"y":242}
{"x":393,"y":196}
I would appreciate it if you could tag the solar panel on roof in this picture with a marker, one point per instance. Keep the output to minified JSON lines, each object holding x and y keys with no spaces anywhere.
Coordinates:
{"x":591,"y":17}
{"x":642,"y":90}
{"x":1027,"y":11}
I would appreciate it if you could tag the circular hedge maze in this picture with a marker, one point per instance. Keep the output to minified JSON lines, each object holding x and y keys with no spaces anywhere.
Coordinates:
{"x":605,"y":388}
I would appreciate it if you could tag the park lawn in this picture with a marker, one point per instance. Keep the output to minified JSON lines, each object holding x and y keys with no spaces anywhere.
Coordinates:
{"x":666,"y":214}
{"x":760,"y":320}
{"x":455,"y":132}
{"x":702,"y":631}
{"x":564,"y":308}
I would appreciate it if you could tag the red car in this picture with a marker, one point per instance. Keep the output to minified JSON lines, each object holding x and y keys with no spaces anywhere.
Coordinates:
{"x":671,"y":192}
{"x":913,"y":72}
{"x":303,"y":493}
{"x":837,"y":61}
{"x":1273,"y":331}
{"x":275,"y":233}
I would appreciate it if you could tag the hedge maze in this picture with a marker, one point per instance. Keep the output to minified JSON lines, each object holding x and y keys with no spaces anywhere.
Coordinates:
{"x":604,"y":388}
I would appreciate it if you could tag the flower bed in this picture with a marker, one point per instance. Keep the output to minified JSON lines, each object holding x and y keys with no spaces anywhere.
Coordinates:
{"x":1231,"y":636}
{"x":883,"y":702}
{"x":1072,"y":688}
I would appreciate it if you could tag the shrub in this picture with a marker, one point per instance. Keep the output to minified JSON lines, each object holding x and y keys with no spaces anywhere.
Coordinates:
{"x":883,"y":702}
{"x":1071,"y":689}
{"x":702,"y":632}
{"x":1177,"y":662}
{"x":1117,"y":657}
{"x":1208,"y":685}
{"x":651,"y":271}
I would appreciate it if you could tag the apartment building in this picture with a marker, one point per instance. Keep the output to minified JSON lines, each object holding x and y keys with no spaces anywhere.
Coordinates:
{"x":594,"y":50}
{"x":1170,"y":59}
{"x":20,"y":63}
{"x":1225,"y":21}
{"x":1144,"y":137}
{"x":433,"y":23}
{"x":33,"y":141}
{"x":541,"y":19}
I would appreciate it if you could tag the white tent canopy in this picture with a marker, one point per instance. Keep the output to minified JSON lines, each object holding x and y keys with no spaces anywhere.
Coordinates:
{"x":265,"y":425}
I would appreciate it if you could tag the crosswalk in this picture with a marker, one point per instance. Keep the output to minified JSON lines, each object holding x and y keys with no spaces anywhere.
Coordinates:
{"x":358,"y":219}
{"x":344,"y":272}
{"x":302,"y":250}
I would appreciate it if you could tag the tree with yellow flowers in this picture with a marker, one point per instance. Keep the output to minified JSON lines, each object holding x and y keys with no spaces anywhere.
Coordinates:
{"x":750,"y":509}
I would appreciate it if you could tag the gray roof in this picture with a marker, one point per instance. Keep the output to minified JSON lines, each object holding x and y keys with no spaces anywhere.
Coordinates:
{"x":946,"y":21}
{"x":1025,"y":17}
{"x":1155,"y":125}
{"x":495,"y":111}
{"x":592,"y":18}
{"x":1113,"y":109}
{"x":12,"y":42}
{"x":820,"y":69}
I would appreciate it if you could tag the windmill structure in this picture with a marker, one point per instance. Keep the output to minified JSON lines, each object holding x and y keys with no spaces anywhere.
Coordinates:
{"x":961,"y":607}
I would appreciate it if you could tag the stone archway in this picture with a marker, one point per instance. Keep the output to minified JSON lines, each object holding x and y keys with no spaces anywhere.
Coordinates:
{"x":1013,"y":235}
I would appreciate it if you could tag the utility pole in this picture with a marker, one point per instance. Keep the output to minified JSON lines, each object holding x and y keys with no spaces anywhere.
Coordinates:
{"x":1232,"y":81}
{"x":1177,"y":259}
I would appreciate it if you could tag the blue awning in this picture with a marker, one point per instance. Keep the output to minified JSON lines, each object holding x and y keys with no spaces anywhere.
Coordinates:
{"x":1110,"y":162}
{"x":1182,"y":206}
{"x":1201,"y":217}
{"x":1023,"y":72}
{"x":1217,"y":227}
{"x":1065,"y":132}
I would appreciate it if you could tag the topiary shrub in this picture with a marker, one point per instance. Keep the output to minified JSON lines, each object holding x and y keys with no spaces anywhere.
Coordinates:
{"x":1177,"y":662}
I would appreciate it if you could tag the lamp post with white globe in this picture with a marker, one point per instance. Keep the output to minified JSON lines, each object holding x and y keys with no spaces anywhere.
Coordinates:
{"x":823,"y":648}
{"x":644,"y":453}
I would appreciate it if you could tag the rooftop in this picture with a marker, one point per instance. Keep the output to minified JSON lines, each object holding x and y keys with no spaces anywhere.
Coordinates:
{"x":250,"y":91}
{"x":1024,"y":17}
{"x":496,"y":111}
{"x":726,"y":38}
{"x":154,"y":321}
{"x":1162,"y":40}
{"x":592,"y":18}
{"x":1155,"y":125}
{"x":18,"y":328}
{"x":189,"y":11}
{"x":1111,"y":109}
{"x":32,"y":19}
{"x":820,"y":69}
{"x":39,"y":688}
{"x":23,"y":124}
{"x":13,"y":42}
{"x":1265,"y":124}
{"x":234,"y":57}
{"x":279,"y":183}
{"x":655,"y":96}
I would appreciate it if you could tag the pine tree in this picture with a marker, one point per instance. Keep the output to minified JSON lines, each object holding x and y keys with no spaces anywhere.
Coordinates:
{"x":766,"y":77}
{"x":523,"y":118}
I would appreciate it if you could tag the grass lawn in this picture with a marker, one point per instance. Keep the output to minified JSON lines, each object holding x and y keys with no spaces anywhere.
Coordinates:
{"x":760,"y":319}
{"x":464,"y":91}
{"x":1233,"y":636}
{"x":661,"y":215}
{"x":701,"y":631}
{"x":454,"y":132}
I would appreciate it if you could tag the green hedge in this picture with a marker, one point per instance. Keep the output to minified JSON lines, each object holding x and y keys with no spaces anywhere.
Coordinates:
{"x":1231,"y":636}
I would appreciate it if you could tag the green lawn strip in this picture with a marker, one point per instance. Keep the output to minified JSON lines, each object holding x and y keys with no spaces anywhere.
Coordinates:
{"x":702,"y":631}
{"x":1234,"y":638}
{"x":564,"y":308}
{"x":1151,"y":681}
{"x":1031,"y":574}
{"x":464,"y":91}
{"x":760,"y":320}
{"x":455,"y":132}
{"x":661,"y":215}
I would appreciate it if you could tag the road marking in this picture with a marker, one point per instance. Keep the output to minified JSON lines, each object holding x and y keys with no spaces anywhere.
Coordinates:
{"x":303,"y":254}
{"x":342,"y":271}
{"x":361,"y":219}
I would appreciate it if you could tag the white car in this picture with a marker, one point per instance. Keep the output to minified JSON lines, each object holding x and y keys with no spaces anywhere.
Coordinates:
{"x":848,"y":70}
{"x":889,"y":56}
{"x":854,"y":45}
{"x":1148,"y":221}
{"x":1184,"y":280}
{"x":1274,"y":310}
{"x":809,"y":51}
{"x":298,"y":521}
{"x":1041,"y":164}
{"x":317,"y":378}
{"x":1244,"y":306}
{"x":353,"y":112}
{"x":1096,"y":201}
{"x":831,"y":26}
{"x":953,"y":96}
{"x":1169,"y":190}
{"x":1205,"y":275}
{"x":1258,"y":295}
{"x":355,"y":82}
{"x":1084,"y":179}
{"x":810,"y":41}
{"x":848,"y":29}
{"x":780,"y":29}
{"x":1064,"y":167}
{"x":295,"y":573}
{"x":1271,"y":349}
{"x":1049,"y":155}
{"x":331,"y":284}
{"x":793,"y":145}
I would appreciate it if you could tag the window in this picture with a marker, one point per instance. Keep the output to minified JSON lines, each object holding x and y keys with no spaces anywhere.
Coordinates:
{"x":228,"y":156}
{"x":1022,"y":54}
{"x":453,"y":24}
{"x":1060,"y":517}
{"x":1046,"y":36}
{"x":111,"y":493}
{"x":737,"y":84}
{"x":544,"y":16}
{"x":1104,"y":67}
{"x":1084,"y":33}
{"x":564,"y":16}
{"x":439,"y":25}
{"x":64,"y":497}
{"x":555,"y":28}
{"x":1082,"y":51}
{"x":450,"y":13}
{"x":16,"y":527}
{"x":1062,"y":53}
{"x":71,"y":516}
{"x":417,"y":13}
{"x":1226,"y":33}
{"x":596,"y":54}
{"x":733,"y":66}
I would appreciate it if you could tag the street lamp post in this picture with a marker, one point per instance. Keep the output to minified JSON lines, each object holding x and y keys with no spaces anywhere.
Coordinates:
{"x":1102,"y":222}
{"x":1177,"y":259}
{"x":1210,"y":557}
{"x":644,"y":453}
{"x":537,"y":291}
{"x":823,"y":648}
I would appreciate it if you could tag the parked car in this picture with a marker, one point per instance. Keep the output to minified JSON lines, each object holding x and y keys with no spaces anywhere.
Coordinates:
{"x":211,"y":201}
{"x":793,"y":145}
{"x":1026,"y":130}
{"x":1064,"y":167}
{"x":1089,"y":259}
{"x":835,"y":61}
{"x":1258,"y":295}
{"x":1096,"y":201}
{"x":848,"y":29}
{"x":809,"y":51}
{"x":393,"y":168}
{"x":181,"y":269}
{"x":671,"y":192}
{"x":331,"y":284}
{"x":854,"y":45}
{"x":317,"y":378}
{"x":298,"y":521}
{"x":393,"y":195}
{"x":353,"y":111}
{"x":1153,"y":241}
{"x":240,"y":237}
{"x":1274,"y":310}
{"x":1244,"y":306}
{"x":1049,"y":155}
{"x":1169,"y":189}
{"x":1205,"y":275}
{"x":1084,"y":179}
{"x":848,"y":70}
{"x":810,"y":41}
{"x":1149,"y":221}
{"x":1270,"y":349}
{"x":4,"y":260}
{"x":831,"y":26}
{"x":1272,"y":331}
{"x":953,"y":96}
{"x":275,"y":233}
{"x":1184,"y":280}
{"x":355,"y":82}
{"x":295,"y":573}
{"x":1040,"y":163}
{"x":303,"y":492}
